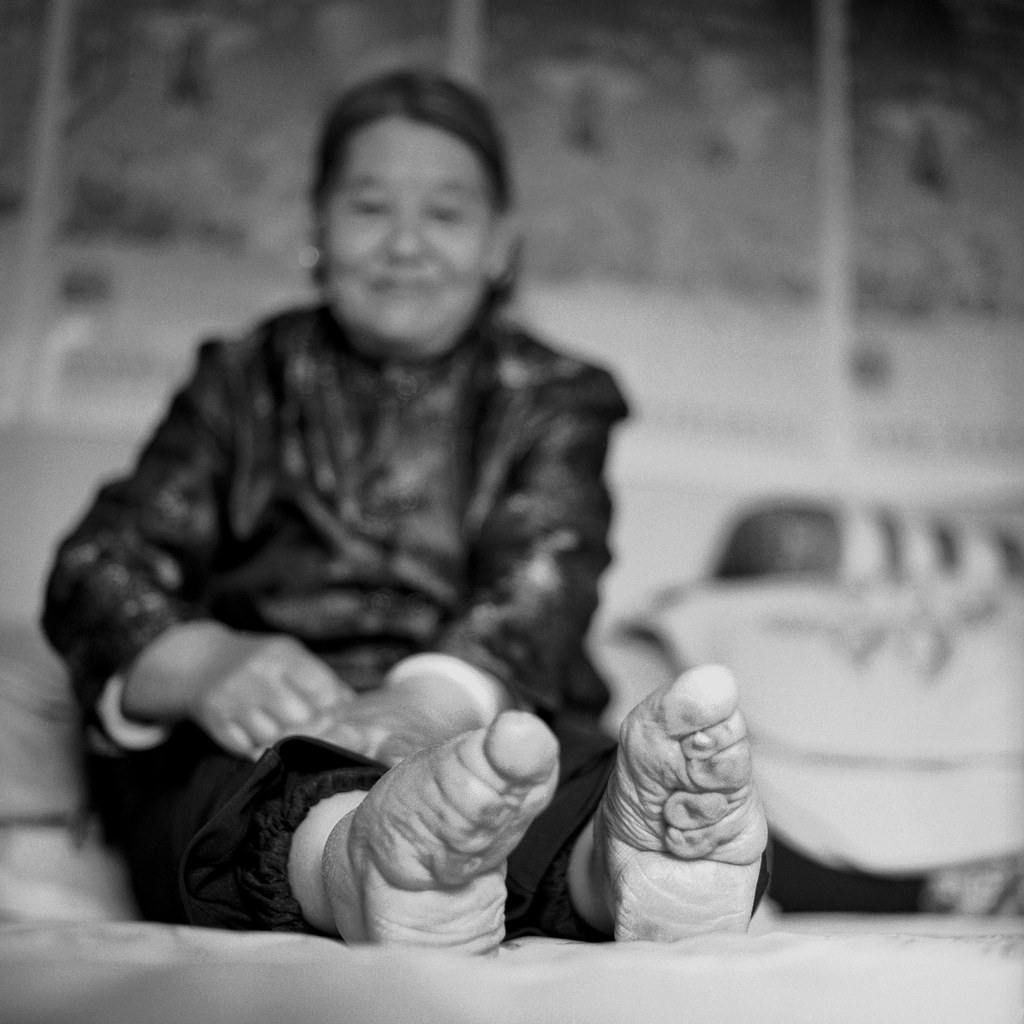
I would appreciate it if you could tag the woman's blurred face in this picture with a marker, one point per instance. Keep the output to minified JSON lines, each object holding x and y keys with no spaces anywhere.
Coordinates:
{"x":410,"y":239}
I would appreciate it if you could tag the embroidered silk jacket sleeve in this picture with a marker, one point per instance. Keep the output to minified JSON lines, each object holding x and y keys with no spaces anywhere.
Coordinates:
{"x":137,"y":562}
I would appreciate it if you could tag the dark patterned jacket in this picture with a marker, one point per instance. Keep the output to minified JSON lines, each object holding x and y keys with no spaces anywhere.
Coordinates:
{"x":371,"y":510}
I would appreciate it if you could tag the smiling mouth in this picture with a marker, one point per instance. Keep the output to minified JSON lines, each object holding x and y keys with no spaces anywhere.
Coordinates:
{"x":411,"y":286}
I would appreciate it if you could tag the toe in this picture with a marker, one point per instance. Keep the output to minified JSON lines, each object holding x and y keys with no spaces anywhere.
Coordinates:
{"x":692,"y":843}
{"x":694,"y":810}
{"x":708,"y":741}
{"x":737,"y":836}
{"x":521,"y":748}
{"x":727,"y":770}
{"x":699,"y":699}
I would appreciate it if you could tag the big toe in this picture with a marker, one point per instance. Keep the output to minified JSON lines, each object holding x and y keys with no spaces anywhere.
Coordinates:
{"x":699,"y":699}
{"x":521,"y":748}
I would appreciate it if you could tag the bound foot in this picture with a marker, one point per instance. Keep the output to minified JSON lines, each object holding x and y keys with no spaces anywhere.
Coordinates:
{"x":421,"y":861}
{"x":675,"y":846}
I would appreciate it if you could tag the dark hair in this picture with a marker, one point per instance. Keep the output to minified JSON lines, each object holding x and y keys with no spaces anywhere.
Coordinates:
{"x":423,"y":96}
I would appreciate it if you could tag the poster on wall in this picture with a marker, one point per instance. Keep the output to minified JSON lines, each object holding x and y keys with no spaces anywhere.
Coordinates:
{"x":668,"y":179}
{"x":937,"y":261}
{"x":696,"y":177}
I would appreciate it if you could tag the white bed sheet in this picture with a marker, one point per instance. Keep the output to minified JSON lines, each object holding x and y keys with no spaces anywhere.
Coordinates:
{"x":824,"y":971}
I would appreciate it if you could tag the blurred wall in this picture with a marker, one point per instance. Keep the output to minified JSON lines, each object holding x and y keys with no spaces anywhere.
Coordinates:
{"x":669,"y":176}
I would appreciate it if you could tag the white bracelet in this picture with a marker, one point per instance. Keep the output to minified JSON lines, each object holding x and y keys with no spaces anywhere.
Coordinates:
{"x":123,"y":731}
{"x":487,"y":695}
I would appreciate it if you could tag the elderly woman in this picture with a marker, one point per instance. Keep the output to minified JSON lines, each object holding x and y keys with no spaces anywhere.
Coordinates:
{"x":362,"y":551}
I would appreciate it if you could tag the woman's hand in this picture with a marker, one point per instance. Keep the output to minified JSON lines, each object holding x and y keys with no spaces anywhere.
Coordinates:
{"x":245,"y":690}
{"x":263,"y":689}
{"x":249,"y":690}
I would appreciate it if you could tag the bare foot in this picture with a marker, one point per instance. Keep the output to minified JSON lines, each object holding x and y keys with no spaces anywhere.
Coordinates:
{"x":675,"y":846}
{"x":421,"y":861}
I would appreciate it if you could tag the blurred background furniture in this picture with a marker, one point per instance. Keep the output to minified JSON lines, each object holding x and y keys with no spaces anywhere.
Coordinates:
{"x":880,"y":658}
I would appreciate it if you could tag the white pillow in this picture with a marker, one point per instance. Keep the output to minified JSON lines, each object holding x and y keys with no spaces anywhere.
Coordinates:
{"x":886,"y":721}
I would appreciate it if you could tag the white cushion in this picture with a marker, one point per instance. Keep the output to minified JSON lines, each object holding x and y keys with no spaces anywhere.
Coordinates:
{"x":886,"y":721}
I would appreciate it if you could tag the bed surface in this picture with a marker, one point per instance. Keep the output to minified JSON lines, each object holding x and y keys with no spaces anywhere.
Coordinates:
{"x":821,"y":970}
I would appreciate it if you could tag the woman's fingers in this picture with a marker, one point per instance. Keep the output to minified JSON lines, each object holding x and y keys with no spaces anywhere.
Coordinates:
{"x":263,"y":727}
{"x":254,"y":730}
{"x":235,"y":740}
{"x":289,"y":686}
{"x":287,"y":707}
{"x":316,"y":685}
{"x":277,"y":689}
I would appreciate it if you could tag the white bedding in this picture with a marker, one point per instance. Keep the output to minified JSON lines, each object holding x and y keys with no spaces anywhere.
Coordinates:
{"x":151,"y":974}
